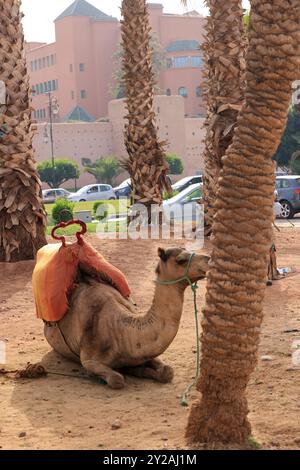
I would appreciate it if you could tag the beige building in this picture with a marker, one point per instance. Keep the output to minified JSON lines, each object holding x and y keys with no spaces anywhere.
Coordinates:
{"x":93,"y":140}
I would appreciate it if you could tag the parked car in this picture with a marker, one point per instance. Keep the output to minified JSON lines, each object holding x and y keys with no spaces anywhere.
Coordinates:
{"x":123,"y":190}
{"x":51,"y":195}
{"x":93,"y":192}
{"x":186,"y":182}
{"x":185,"y":205}
{"x":288,"y":188}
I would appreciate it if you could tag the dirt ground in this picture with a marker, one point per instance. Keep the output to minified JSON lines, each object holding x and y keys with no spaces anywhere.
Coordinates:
{"x":59,"y":412}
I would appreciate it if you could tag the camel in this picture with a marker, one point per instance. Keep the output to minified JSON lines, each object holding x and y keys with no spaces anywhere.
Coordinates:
{"x":104,"y":332}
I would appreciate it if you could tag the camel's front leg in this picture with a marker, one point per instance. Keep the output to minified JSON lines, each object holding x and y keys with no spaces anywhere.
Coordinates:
{"x":154,"y":369}
{"x":112,"y":378}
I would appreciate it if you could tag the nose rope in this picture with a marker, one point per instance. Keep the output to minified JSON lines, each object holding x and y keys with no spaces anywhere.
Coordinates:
{"x":194,"y":287}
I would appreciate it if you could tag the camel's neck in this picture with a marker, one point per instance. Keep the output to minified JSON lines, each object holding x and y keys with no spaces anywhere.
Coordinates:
{"x":153,"y":333}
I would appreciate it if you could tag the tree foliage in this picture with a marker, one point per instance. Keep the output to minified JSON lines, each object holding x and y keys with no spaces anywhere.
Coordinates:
{"x":175,"y":164}
{"x":290,"y":142}
{"x":105,"y":169}
{"x":63,"y":170}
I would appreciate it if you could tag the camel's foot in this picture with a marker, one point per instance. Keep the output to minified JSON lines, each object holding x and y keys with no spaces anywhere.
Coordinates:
{"x":165,"y":374}
{"x":113,"y":379}
{"x":155,"y":370}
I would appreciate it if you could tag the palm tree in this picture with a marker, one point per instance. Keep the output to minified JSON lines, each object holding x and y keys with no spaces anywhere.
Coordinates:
{"x":105,"y":170}
{"x":22,"y":217}
{"x":224,"y":53}
{"x":243,"y":227}
{"x":146,"y":163}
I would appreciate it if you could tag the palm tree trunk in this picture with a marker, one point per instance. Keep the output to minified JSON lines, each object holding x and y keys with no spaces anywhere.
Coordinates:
{"x":22,"y":216}
{"x":146,"y":163}
{"x":243,"y":227}
{"x":224,"y":53}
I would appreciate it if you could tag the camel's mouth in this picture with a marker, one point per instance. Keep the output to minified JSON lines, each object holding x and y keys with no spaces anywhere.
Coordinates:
{"x":199,"y":277}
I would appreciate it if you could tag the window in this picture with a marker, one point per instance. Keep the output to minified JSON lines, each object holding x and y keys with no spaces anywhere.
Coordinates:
{"x":37,"y":89}
{"x":82,"y":94}
{"x":44,"y":62}
{"x":41,"y":88}
{"x":52,"y":59}
{"x":50,"y":88}
{"x":40,"y":63}
{"x":86,"y":161}
{"x":180,"y":62}
{"x":32,"y":66}
{"x":81,"y":67}
{"x":104,"y":188}
{"x":72,"y":95}
{"x":182,"y":91}
{"x":35,"y":65}
{"x":199,"y":91}
{"x":286,"y":184}
{"x":94,"y":189}
{"x":48,"y":61}
{"x":71,"y":67}
{"x":168,"y":92}
{"x":197,"y":62}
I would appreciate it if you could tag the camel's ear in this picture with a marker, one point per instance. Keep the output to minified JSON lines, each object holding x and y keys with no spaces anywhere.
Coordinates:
{"x":162,"y":254}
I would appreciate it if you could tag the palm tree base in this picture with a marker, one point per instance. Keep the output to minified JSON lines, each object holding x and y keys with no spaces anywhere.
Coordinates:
{"x":28,"y":245}
{"x":213,"y":422}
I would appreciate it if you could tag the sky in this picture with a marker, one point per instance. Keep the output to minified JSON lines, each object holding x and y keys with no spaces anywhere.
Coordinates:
{"x":40,"y":14}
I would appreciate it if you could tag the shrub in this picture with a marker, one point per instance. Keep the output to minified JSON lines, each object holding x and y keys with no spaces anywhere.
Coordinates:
{"x":167,"y":196}
{"x":97,"y":213}
{"x":62,"y":211}
{"x":175,"y":164}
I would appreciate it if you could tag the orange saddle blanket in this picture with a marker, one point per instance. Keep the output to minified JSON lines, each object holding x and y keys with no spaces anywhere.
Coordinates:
{"x":55,"y":273}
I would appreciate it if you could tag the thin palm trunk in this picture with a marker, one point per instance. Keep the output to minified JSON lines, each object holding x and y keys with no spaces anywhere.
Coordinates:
{"x":22,"y":216}
{"x":146,"y":162}
{"x":224,"y":53}
{"x":243,"y":227}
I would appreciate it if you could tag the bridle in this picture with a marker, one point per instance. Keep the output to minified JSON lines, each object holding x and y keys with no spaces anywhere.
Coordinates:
{"x":194,"y":287}
{"x":185,"y":277}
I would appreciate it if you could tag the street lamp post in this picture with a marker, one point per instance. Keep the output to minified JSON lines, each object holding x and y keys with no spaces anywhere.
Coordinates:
{"x":53,"y":109}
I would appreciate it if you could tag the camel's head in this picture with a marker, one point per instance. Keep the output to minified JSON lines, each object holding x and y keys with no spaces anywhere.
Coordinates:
{"x":174,"y":262}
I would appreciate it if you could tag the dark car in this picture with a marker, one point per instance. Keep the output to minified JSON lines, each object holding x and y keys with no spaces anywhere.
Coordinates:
{"x":124,"y":190}
{"x":288,"y":188}
{"x":184,"y":183}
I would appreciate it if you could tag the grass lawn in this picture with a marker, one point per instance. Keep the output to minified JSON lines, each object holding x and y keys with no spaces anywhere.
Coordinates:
{"x":69,"y":231}
{"x":113,"y":207}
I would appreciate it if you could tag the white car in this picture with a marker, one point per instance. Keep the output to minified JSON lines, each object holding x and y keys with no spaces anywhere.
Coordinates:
{"x":51,"y":195}
{"x":185,"y":205}
{"x":94,"y":192}
{"x":187,"y":182}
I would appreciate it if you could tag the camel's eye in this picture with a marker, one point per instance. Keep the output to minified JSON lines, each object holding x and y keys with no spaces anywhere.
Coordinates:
{"x":181,"y":259}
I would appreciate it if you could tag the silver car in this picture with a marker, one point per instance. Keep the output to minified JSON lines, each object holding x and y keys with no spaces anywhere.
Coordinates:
{"x":51,"y":195}
{"x":93,"y":192}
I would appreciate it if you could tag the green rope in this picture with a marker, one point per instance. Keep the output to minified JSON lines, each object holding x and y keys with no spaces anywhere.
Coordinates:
{"x":194,"y":287}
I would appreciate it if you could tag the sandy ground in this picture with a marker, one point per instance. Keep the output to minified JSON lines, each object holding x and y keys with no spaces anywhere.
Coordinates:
{"x":60,"y":412}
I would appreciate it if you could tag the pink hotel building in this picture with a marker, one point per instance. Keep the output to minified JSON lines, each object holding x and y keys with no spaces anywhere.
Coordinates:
{"x":78,"y":68}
